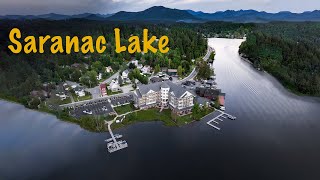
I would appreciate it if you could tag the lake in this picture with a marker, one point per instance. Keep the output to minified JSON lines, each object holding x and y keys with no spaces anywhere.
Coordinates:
{"x":275,"y":136}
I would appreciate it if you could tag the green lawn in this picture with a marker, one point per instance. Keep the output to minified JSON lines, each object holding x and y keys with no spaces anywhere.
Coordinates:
{"x":154,"y":115}
{"x":147,"y":115}
{"x":56,"y":100}
{"x":66,"y":101}
{"x":123,"y":109}
{"x":86,"y":97}
{"x":109,"y":92}
{"x":76,"y":98}
{"x":182,"y":120}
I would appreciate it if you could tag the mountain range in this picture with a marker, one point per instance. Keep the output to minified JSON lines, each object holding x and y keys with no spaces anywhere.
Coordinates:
{"x":163,"y":14}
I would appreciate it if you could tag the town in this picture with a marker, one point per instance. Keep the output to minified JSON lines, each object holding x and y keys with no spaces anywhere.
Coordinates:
{"x":135,"y":92}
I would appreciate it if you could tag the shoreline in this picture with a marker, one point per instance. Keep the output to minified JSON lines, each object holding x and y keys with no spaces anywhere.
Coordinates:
{"x":290,"y":90}
{"x":72,"y":120}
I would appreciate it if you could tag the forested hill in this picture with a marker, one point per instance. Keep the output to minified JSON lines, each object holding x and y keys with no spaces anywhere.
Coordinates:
{"x":289,"y":51}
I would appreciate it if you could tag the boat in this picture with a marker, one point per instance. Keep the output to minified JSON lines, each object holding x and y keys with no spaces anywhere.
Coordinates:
{"x":232,"y":117}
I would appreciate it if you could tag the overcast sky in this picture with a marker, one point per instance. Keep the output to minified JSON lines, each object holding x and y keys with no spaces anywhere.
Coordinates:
{"x":111,"y":6}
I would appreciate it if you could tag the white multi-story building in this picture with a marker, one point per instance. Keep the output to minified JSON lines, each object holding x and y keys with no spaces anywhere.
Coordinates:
{"x":165,"y":95}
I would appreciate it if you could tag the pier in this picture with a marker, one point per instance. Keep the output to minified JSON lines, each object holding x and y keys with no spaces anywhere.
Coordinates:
{"x":115,"y":145}
{"x":215,"y":120}
{"x":214,"y":126}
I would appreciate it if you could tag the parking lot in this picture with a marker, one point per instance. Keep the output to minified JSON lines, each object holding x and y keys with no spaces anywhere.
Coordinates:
{"x":101,"y":107}
{"x":120,"y":100}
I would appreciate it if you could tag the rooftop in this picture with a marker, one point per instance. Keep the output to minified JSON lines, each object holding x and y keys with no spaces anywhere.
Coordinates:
{"x":177,"y":90}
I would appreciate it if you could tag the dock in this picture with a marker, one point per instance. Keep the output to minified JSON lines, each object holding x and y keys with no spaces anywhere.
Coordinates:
{"x":217,"y":128}
{"x":113,"y":144}
{"x":117,"y":136}
{"x":219,"y":118}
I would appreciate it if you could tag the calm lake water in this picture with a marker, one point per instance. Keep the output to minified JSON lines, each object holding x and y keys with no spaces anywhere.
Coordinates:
{"x":276,"y":136}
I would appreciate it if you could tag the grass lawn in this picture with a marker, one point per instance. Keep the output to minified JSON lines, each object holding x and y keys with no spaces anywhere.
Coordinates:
{"x":125,"y":84}
{"x":154,"y":115}
{"x":182,"y":120}
{"x":56,"y":100}
{"x":76,"y":98}
{"x":109,"y":92}
{"x":123,"y":109}
{"x":147,"y":115}
{"x":66,"y":101}
{"x":86,"y":97}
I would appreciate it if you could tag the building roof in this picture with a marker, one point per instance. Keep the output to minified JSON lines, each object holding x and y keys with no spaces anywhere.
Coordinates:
{"x":177,"y":90}
{"x":221,"y":100}
{"x":164,"y":85}
{"x":172,"y":70}
{"x":102,"y":85}
{"x":207,"y":92}
{"x":78,"y":88}
{"x":126,"y":71}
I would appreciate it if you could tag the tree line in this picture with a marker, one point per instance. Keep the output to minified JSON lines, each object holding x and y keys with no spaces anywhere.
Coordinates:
{"x":289,"y":51}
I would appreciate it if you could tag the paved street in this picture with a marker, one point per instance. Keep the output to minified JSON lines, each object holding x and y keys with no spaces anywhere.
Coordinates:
{"x":95,"y":91}
{"x":127,"y":88}
{"x":194,"y":72}
{"x":115,"y":75}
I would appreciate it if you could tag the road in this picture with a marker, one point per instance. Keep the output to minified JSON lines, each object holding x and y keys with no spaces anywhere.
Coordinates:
{"x":194,"y":72}
{"x":115,"y":75}
{"x":95,"y":91}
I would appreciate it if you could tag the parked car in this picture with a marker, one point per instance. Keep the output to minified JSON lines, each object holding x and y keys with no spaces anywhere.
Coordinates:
{"x":104,"y":108}
{"x":87,"y":111}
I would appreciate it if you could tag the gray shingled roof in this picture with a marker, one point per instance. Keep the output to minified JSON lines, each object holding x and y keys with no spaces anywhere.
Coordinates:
{"x":177,"y":90}
{"x":164,"y":85}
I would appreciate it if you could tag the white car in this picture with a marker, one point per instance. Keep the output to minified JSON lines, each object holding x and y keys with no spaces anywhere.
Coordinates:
{"x":87,"y":111}
{"x":104,"y":108}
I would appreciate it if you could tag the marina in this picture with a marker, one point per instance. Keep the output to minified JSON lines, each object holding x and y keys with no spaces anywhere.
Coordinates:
{"x":117,"y":136}
{"x":114,"y":145}
{"x":218,"y":118}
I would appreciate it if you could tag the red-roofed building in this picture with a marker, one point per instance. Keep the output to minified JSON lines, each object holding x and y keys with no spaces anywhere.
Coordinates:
{"x":103,"y":89}
{"x":221,"y":100}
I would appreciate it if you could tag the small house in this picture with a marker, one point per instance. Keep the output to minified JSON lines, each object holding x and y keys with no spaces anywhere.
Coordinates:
{"x":125,"y":75}
{"x":79,"y":91}
{"x":172,"y":72}
{"x":146,"y":69}
{"x":103,"y":89}
{"x":109,"y":69}
{"x":114,"y":86}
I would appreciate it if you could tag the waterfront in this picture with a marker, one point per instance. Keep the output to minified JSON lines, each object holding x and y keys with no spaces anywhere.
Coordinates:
{"x":275,"y":136}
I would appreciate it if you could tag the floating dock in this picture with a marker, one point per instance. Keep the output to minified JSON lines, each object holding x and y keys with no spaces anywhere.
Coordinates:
{"x":217,"y":128}
{"x":114,"y":145}
{"x":117,"y":136}
{"x":216,"y":119}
